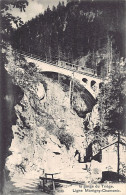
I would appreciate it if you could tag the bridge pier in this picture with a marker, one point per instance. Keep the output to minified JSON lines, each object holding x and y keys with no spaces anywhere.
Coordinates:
{"x":71,"y":91}
{"x":97,"y":88}
{"x":58,"y":78}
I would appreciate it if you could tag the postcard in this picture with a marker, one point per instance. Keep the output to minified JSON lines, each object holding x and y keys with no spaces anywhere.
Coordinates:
{"x":63,"y":97}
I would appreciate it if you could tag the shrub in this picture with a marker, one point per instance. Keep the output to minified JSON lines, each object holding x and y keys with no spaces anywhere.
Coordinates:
{"x":66,"y":139}
{"x":32,"y":68}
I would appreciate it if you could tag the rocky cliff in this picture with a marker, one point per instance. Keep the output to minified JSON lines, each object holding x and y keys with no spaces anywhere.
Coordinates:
{"x":48,"y":131}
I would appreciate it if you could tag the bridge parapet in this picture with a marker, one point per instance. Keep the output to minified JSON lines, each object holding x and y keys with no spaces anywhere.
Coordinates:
{"x":76,"y":67}
{"x":64,"y":64}
{"x":86,"y":76}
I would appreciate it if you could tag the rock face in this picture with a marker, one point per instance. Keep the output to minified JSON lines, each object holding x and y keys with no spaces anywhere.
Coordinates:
{"x":47,"y":131}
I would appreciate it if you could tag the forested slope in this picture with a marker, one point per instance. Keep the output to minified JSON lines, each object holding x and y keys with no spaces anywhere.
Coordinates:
{"x":86,"y":32}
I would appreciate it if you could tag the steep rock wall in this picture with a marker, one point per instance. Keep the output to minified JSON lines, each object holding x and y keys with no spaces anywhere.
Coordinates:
{"x":47,"y":131}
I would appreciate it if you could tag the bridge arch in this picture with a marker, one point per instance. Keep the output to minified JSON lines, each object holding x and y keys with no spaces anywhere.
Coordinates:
{"x":93,"y":83}
{"x":100,"y":85}
{"x":85,"y":80}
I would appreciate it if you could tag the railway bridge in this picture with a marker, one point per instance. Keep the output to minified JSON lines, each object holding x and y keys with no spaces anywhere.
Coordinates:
{"x":86,"y":77}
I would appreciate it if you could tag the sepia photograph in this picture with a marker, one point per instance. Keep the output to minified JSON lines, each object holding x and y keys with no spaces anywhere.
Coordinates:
{"x":62,"y":97}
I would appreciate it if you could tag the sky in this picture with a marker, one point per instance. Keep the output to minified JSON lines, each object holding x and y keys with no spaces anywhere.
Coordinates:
{"x":34,"y":8}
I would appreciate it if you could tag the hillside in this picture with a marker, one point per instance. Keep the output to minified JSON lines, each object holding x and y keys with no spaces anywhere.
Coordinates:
{"x":89,"y":33}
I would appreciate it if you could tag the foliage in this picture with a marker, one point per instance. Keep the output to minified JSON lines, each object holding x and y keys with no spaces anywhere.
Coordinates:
{"x":32,"y":68}
{"x":66,"y":139}
{"x":7,"y":18}
{"x":75,"y":30}
{"x":112,"y":101}
{"x":123,"y":168}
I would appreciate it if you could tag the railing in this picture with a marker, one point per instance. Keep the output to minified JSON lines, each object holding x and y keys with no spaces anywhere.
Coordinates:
{"x":45,"y":180}
{"x":63,"y":64}
{"x":77,"y":67}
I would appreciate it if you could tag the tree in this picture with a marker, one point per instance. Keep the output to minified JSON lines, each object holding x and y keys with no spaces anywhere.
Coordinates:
{"x":112,"y":102}
{"x":6,"y":18}
{"x":112,"y":106}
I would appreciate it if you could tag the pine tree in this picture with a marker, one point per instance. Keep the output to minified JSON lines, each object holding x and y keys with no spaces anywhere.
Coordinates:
{"x":112,"y":101}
